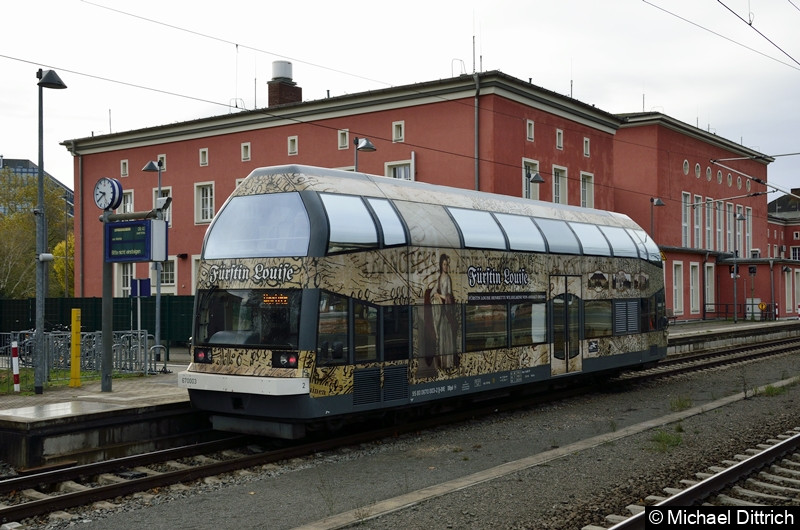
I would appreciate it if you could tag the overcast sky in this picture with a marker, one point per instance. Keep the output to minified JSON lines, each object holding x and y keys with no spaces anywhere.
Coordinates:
{"x":728,"y":67}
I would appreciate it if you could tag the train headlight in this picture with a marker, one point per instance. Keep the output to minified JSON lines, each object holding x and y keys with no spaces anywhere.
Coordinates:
{"x":202,"y":355}
{"x":287,"y":360}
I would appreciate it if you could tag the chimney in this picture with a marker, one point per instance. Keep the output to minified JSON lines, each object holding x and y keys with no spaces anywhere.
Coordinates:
{"x":282,"y":89}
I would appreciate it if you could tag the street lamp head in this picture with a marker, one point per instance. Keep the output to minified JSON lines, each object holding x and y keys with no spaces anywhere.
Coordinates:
{"x":151,"y":167}
{"x":49,"y":79}
{"x":536,"y":178}
{"x":740,"y":217}
{"x":364,"y":144}
{"x":656,"y":201}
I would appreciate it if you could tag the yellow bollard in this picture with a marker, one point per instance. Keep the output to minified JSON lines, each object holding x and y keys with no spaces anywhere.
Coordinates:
{"x":75,"y":350}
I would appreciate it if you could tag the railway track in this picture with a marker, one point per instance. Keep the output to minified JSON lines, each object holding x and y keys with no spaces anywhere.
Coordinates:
{"x":767,"y":475}
{"x":34,"y":495}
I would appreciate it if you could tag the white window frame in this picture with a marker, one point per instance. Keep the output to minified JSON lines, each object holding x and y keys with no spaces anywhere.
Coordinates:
{"x":748,"y":214}
{"x":739,"y":232}
{"x":587,"y":190}
{"x":560,"y":190}
{"x":686,"y":219}
{"x":729,"y":226}
{"x":677,"y":287}
{"x":292,"y":147}
{"x":245,"y":151}
{"x":709,"y":207}
{"x":123,"y":168}
{"x":163,"y":159}
{"x":201,"y":209}
{"x":709,"y":288}
{"x":203,"y":156}
{"x":559,"y":139}
{"x":586,"y":147}
{"x":698,"y":221}
{"x":126,"y":206}
{"x":167,"y":287}
{"x":694,"y":287}
{"x":390,"y":168}
{"x":530,"y":129}
{"x":124,"y":273}
{"x":719,"y":206}
{"x":530,"y":190}
{"x":343,"y":137}
{"x":166,"y":191}
{"x":788,"y":291}
{"x":398,"y":131}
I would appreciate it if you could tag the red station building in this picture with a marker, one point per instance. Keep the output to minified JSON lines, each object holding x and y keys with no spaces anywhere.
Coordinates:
{"x":486,"y":131}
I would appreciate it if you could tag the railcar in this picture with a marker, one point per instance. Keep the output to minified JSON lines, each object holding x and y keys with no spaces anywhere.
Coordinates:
{"x":326,"y":295}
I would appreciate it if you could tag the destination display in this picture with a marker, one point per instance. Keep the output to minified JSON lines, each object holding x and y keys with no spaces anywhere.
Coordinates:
{"x":134,"y":241}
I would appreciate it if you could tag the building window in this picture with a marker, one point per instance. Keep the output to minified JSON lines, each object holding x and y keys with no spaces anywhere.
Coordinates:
{"x":796,"y":235}
{"x":697,"y":170}
{"x":399,"y":170}
{"x":529,"y":130}
{"x":560,"y":185}
{"x":344,"y":139}
{"x":163,"y":160}
{"x":398,"y":131}
{"x":730,"y":180}
{"x":694,"y":288}
{"x":748,"y":214}
{"x":709,"y":223}
{"x":204,"y":156}
{"x":559,"y":139}
{"x":586,"y":151}
{"x":292,"y":145}
{"x":125,"y":277}
{"x":738,"y":183}
{"x":685,"y":167}
{"x":587,"y":190}
{"x":165,"y":192}
{"x":245,"y":149}
{"x":203,"y":202}
{"x":795,"y":253}
{"x":686,"y":220}
{"x":123,"y":168}
{"x":677,"y":287}
{"x":168,"y":272}
{"x":126,"y":206}
{"x":708,"y":174}
{"x":740,"y":227}
{"x":698,"y":221}
{"x":709,"y":288}
{"x":729,"y":221}
{"x":530,"y":190}
{"x":720,"y":225}
{"x":787,"y":279}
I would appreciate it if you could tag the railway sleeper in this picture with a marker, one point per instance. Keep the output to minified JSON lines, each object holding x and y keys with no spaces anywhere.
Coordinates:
{"x":775,"y":488}
{"x":785,"y":481}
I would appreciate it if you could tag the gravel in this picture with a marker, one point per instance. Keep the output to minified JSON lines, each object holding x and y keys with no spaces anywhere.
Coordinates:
{"x":565,"y":493}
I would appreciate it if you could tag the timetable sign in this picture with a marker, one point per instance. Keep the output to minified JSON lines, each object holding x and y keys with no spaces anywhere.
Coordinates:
{"x":134,"y":241}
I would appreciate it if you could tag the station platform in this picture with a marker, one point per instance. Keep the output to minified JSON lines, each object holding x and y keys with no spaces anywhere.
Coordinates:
{"x":64,"y":411}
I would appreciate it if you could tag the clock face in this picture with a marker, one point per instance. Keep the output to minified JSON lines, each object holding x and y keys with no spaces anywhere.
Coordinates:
{"x":107,"y":193}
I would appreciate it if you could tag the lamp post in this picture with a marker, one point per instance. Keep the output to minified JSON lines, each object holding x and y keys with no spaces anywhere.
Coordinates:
{"x":362,"y":144}
{"x":654,"y":201}
{"x":47,"y":79}
{"x":153,"y":167}
{"x":739,"y":217}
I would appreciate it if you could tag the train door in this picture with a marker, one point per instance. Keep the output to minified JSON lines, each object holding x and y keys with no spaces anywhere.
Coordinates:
{"x":565,"y":298}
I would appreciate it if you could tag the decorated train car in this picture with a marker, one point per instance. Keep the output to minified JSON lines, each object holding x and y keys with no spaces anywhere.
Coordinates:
{"x":325,"y":295}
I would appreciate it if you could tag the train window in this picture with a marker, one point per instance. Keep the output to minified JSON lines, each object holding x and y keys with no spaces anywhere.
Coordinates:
{"x":597,"y":318}
{"x":259,"y":226}
{"x":592,"y":240}
{"x":521,"y":232}
{"x":527,"y":324}
{"x":391,"y":226}
{"x":395,"y":332}
{"x":479,"y":229}
{"x":365,"y":318}
{"x":332,"y":337}
{"x":429,"y":225}
{"x":621,"y":243}
{"x":485,"y":326}
{"x":351,"y":225}
{"x":647,"y":246}
{"x":256,"y":317}
{"x":560,"y":239}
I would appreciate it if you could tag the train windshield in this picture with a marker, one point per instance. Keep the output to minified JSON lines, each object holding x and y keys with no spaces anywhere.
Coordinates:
{"x":259,"y":226}
{"x":265,"y":318}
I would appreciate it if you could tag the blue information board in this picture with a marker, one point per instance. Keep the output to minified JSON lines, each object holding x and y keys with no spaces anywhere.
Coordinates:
{"x":133,"y":241}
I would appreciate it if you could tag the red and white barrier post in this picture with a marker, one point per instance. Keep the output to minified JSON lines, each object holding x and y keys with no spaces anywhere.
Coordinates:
{"x":15,"y":364}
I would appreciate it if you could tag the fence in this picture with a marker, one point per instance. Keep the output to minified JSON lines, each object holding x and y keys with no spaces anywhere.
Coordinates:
{"x":176,"y":315}
{"x":131,"y":354}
